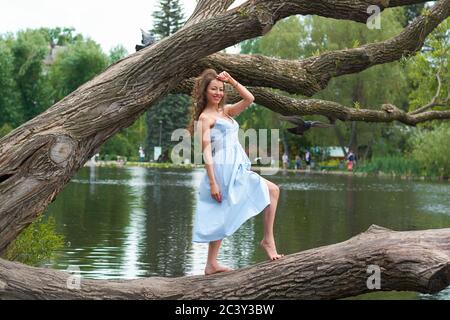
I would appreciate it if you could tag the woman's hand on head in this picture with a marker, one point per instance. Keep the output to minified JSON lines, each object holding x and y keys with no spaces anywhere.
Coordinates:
{"x":224,"y":76}
{"x":215,"y":192}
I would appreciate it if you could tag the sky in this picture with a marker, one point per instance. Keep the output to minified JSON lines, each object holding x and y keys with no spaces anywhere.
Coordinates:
{"x":108,"y":22}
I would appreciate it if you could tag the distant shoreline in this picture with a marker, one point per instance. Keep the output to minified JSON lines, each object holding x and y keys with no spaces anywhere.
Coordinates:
{"x":258,"y":169}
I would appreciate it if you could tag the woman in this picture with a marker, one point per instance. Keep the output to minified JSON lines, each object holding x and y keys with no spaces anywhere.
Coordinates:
{"x":229,"y":193}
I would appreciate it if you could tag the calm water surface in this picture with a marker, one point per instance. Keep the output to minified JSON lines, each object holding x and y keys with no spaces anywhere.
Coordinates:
{"x":126,"y":223}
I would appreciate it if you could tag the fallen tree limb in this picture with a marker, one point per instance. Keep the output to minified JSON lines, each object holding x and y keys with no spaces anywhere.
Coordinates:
{"x":408,"y":261}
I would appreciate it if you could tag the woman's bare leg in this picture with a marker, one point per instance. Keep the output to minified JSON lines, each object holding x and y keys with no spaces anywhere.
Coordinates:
{"x":268,"y":242}
{"x":212,"y":266}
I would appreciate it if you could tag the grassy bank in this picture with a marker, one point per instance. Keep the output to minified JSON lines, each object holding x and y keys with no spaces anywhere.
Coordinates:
{"x":394,"y":166}
{"x":399,"y":167}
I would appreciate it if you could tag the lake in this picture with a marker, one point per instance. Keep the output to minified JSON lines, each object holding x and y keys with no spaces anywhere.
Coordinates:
{"x":131,"y":222}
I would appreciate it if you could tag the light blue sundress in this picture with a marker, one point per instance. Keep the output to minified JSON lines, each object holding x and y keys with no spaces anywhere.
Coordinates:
{"x":244,"y":193}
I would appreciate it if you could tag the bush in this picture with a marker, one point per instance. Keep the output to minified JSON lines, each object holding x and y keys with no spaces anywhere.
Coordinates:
{"x":332,"y":164}
{"x":36,"y":243}
{"x":432,"y":150}
{"x":5,"y":129}
{"x":393,"y":165}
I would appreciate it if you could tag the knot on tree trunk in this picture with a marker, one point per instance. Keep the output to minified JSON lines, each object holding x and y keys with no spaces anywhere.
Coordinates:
{"x":61,"y":150}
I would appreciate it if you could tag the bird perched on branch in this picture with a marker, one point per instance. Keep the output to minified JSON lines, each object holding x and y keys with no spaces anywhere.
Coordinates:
{"x":147,"y":40}
{"x":303,"y":125}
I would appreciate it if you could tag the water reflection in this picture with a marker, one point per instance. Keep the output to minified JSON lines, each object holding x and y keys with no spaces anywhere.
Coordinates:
{"x":168,"y":205}
{"x":137,"y":222}
{"x":135,"y":232}
{"x":236,"y":251}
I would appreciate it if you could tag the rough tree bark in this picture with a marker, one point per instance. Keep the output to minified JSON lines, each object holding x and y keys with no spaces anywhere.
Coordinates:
{"x":39,"y":158}
{"x":408,"y":261}
{"x":309,"y":76}
{"x":330,"y":109}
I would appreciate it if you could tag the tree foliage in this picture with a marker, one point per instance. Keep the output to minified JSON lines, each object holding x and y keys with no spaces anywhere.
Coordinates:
{"x":76,"y":64}
{"x":10,"y":104}
{"x":29,"y":51}
{"x":36,"y":244}
{"x":424,"y":68}
{"x":301,"y":37}
{"x":170,"y":112}
{"x":432,"y":149}
{"x":168,"y":19}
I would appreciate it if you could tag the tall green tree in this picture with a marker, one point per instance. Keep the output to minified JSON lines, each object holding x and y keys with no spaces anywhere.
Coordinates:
{"x":76,"y":64}
{"x":432,"y":150}
{"x":24,"y":62}
{"x":168,"y":19}
{"x":61,"y":36}
{"x":430,"y":67}
{"x":368,"y":89}
{"x":117,"y":53}
{"x":285,"y":41}
{"x":170,"y":112}
{"x":125,"y":143}
{"x":10,"y":104}
{"x":29,"y":50}
{"x":297,"y":38}
{"x":429,"y":78}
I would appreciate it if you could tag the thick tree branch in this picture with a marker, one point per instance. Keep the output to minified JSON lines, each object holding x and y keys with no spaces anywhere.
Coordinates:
{"x":330,"y":109}
{"x":333,"y":110}
{"x":311,"y":75}
{"x":261,"y":71}
{"x":407,"y":43}
{"x":337,"y":9}
{"x":408,"y":261}
{"x":206,"y":9}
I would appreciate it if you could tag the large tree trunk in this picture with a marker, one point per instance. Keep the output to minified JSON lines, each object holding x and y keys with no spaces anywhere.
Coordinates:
{"x":412,"y":260}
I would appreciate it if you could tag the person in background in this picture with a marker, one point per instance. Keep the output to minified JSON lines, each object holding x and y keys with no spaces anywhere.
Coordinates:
{"x":141,"y":154}
{"x":350,"y":160}
{"x":308,"y":159}
{"x":298,"y":162}
{"x":285,"y":159}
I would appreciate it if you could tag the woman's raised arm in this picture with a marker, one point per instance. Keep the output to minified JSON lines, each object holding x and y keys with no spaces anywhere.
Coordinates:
{"x":247,"y":97}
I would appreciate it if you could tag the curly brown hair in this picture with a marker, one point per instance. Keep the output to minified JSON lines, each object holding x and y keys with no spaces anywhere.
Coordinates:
{"x":199,"y":99}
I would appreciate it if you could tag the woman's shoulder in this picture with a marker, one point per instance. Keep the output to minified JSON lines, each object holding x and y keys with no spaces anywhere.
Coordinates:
{"x":206,"y":118}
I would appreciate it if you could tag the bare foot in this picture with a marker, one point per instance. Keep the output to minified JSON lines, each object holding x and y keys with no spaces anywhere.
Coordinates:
{"x":209,"y":269}
{"x":271,"y":250}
